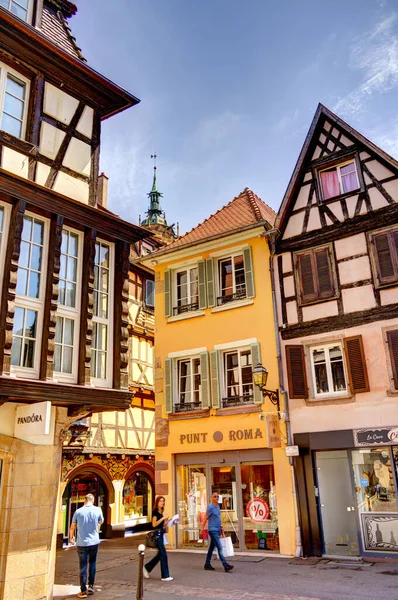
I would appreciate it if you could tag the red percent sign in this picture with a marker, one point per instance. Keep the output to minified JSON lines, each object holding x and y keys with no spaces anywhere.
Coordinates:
{"x":257,"y":510}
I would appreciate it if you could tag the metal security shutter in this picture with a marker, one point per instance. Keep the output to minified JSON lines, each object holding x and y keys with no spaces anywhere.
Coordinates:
{"x":168,"y":385}
{"x":356,"y":364}
{"x":256,"y":358}
{"x":205,"y":379}
{"x":249,"y":277}
{"x":297,"y":377}
{"x":211,"y":291}
{"x":215,"y":383}
{"x":202,"y":284}
{"x":167,"y":293}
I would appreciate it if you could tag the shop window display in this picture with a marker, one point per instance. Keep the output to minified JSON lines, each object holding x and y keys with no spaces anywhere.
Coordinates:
{"x":374,"y":480}
{"x":191,"y":503}
{"x":137,"y":499}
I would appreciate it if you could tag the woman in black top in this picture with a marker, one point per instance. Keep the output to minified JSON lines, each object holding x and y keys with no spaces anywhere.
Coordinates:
{"x":159,"y":524}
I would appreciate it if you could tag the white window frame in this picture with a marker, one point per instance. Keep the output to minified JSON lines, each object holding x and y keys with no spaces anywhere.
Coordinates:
{"x":338,"y":166}
{"x":108,"y":380}
{"x":29,"y":10}
{"x":36,"y":304}
{"x":176,"y":361}
{"x":4,"y":71}
{"x":152,"y":283}
{"x":67,"y":312}
{"x":4,"y":237}
{"x":330,"y":393}
{"x":186,"y":269}
{"x":234,"y":350}
{"x":231,"y":257}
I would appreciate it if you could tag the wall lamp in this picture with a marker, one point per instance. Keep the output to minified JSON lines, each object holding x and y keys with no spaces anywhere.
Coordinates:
{"x":260,"y":377}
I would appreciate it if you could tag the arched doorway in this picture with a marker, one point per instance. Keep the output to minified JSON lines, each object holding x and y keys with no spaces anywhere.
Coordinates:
{"x":138,"y":500}
{"x":74,"y":496}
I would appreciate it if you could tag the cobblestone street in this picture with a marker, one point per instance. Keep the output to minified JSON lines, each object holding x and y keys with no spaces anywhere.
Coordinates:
{"x":255,"y":577}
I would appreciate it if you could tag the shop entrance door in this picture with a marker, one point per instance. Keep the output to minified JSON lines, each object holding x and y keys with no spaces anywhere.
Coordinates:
{"x":223,"y":481}
{"x":337,"y":503}
{"x":74,"y":497}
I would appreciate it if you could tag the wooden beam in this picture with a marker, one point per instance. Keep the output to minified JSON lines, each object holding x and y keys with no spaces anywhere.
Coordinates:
{"x":87,"y":305}
{"x":7,"y":302}
{"x":95,"y":158}
{"x":121,"y":313}
{"x":51,"y":299}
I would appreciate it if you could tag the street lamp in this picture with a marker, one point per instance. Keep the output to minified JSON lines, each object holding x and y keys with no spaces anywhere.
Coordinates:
{"x":260,"y":377}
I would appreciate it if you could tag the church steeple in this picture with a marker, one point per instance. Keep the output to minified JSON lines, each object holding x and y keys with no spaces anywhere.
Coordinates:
{"x":156,"y":217}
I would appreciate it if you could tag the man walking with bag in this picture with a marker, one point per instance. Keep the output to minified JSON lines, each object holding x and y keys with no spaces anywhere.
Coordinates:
{"x":88,"y":518}
{"x":214,"y":529}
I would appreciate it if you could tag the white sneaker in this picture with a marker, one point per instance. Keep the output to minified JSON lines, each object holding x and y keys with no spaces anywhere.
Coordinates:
{"x":146,"y":574}
{"x":167,"y":578}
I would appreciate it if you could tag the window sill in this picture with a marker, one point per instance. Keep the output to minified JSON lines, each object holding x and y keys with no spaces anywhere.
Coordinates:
{"x":230,"y":305}
{"x":392,"y":393}
{"x":238,"y":410}
{"x":182,"y":317}
{"x":22,"y":373}
{"x":193,"y":414}
{"x":318,"y":300}
{"x":331,"y":399}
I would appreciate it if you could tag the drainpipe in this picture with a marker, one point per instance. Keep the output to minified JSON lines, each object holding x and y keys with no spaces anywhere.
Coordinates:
{"x":271,"y":236}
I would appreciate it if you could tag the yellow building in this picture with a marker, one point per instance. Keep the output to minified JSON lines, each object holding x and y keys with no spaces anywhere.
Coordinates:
{"x":215,"y":430}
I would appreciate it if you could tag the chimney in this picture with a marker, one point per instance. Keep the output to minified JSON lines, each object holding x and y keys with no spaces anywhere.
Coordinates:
{"x":102,"y":190}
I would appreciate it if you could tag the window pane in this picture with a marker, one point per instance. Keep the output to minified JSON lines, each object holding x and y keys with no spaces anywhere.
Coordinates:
{"x":24,"y":255}
{"x":71,"y":295}
{"x":15,"y":87}
{"x":67,"y":360}
{"x":22,"y":282}
{"x":68,"y":332}
{"x":19,"y":11}
{"x":62,"y":270}
{"x":64,"y":243}
{"x":28,"y":353}
{"x":13,"y":106}
{"x":57,"y":358}
{"x":226,"y":277}
{"x":34,"y":285}
{"x":321,"y":379}
{"x":11,"y":125}
{"x":104,"y":256}
{"x":336,"y":360}
{"x":73,"y":244}
{"x":104,"y":280}
{"x":18,"y":321}
{"x":103,"y":306}
{"x":349,"y":177}
{"x":58,"y":330}
{"x":38,"y":232}
{"x":72,"y":269}
{"x":35,"y":262}
{"x":61,"y":292}
{"x":101,"y":337}
{"x":30,"y":323}
{"x":330,"y":184}
{"x":16,"y":351}
{"x":101,"y":365}
{"x":27,"y":228}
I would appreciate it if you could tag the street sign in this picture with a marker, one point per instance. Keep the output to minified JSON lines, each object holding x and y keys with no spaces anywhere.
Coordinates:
{"x":292,"y":450}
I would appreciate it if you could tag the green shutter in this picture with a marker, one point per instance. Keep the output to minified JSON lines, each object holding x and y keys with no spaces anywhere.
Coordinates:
{"x":202,"y":284}
{"x":256,"y":358}
{"x":211,"y":291}
{"x":204,"y":379}
{"x":167,"y":293}
{"x":168,"y":385}
{"x":215,"y":383}
{"x":249,"y":278}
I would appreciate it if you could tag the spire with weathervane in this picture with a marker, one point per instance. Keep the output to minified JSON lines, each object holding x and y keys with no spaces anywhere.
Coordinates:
{"x":155,"y":217}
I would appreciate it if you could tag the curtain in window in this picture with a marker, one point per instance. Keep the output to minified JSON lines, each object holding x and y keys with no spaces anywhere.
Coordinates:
{"x":330,"y":184}
{"x":349,"y":178}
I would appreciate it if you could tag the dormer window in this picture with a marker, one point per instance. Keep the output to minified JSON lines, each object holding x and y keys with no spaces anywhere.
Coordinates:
{"x":13,"y":101}
{"x":339,"y":179}
{"x":20,"y":8}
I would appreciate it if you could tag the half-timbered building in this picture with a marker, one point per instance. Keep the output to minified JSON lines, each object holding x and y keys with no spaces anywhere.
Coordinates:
{"x":64,"y":270}
{"x":337,"y":265}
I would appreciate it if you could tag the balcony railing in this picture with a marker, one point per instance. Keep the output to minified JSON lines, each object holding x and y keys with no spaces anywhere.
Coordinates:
{"x":221,"y":300}
{"x":187,"y":406}
{"x":179,"y":310}
{"x":237,"y":401}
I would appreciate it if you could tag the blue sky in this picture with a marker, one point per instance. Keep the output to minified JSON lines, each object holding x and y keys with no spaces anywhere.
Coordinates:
{"x":228,"y":90}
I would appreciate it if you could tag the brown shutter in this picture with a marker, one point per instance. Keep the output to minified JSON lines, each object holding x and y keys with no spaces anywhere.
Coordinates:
{"x":384,"y":259}
{"x":324,"y":273}
{"x":306,"y":273}
{"x":296,"y":373}
{"x":392,"y":339}
{"x":356,"y":364}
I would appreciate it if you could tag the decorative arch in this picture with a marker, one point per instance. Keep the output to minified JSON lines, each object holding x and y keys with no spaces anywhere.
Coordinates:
{"x":97,"y":469}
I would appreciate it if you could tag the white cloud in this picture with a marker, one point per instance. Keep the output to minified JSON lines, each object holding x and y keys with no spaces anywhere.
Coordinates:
{"x":286,"y":121}
{"x":375,"y":53}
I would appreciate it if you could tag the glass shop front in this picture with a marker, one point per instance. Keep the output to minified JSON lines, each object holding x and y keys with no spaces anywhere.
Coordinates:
{"x":137,"y":499}
{"x":245,"y":482}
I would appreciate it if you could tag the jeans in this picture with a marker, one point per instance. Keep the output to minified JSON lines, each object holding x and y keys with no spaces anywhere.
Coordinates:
{"x":87,"y":554}
{"x":160,"y":556}
{"x":215,"y":543}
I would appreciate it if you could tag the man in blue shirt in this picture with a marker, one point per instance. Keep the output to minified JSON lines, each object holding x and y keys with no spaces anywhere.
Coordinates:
{"x":214,"y":529}
{"x":87,"y":519}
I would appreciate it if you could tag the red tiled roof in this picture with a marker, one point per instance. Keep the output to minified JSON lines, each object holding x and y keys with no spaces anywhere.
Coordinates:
{"x":55,"y":26}
{"x":244,"y":210}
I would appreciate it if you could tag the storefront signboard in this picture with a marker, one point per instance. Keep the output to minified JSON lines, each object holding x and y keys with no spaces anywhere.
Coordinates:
{"x":257,"y":510}
{"x":33,"y":419}
{"x":382,"y":436}
{"x":273,"y":431}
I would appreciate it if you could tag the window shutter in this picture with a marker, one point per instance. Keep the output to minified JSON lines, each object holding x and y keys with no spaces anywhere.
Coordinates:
{"x":249,"y":278}
{"x":168,"y":385}
{"x":296,"y":373}
{"x":385,"y":265}
{"x":324,"y":273}
{"x":215,"y":383}
{"x":356,"y":364}
{"x":167,"y":293}
{"x":306,"y":274}
{"x":392,"y":339}
{"x":202,"y":284}
{"x":205,"y":379}
{"x":258,"y":397}
{"x":211,"y":291}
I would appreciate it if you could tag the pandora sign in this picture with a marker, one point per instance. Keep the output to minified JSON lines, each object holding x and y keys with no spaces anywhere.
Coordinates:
{"x":33,"y":419}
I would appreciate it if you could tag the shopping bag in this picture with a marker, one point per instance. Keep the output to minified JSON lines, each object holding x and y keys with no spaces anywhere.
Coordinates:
{"x":165,"y":539}
{"x":227,"y":547}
